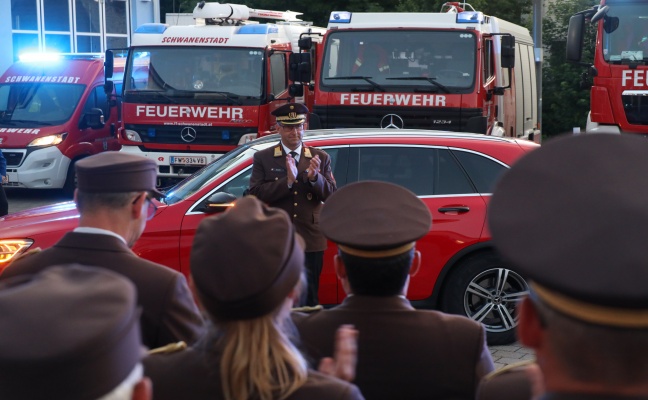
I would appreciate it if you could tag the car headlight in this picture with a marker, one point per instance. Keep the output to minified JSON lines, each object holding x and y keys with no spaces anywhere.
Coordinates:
{"x":132,"y":135}
{"x":10,"y":248}
{"x":51,"y":140}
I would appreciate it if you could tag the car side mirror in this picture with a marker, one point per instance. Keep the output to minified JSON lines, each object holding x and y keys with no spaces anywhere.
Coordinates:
{"x":93,"y":119}
{"x":219,"y":202}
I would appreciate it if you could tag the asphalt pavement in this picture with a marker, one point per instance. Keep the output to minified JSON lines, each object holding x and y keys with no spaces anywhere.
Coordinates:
{"x":510,"y":354}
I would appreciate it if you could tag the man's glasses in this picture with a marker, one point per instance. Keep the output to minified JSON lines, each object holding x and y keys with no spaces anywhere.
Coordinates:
{"x":151,"y":207}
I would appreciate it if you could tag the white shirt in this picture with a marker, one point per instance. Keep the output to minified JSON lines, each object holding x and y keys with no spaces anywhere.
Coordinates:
{"x":98,"y":231}
{"x":297,"y":150}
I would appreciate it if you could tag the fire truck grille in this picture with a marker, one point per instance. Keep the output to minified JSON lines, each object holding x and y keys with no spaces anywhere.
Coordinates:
{"x":195,"y":135}
{"x":636,"y":109}
{"x":14,"y":158}
{"x":450,"y":119}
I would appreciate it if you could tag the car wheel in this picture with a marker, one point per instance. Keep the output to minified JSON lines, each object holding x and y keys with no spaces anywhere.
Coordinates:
{"x":70,"y":181}
{"x":482,"y":289}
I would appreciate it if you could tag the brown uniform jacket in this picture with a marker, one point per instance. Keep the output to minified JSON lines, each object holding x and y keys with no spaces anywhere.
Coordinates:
{"x":169,"y":313}
{"x":403,"y":353}
{"x":303,"y":202}
{"x":188,"y":375}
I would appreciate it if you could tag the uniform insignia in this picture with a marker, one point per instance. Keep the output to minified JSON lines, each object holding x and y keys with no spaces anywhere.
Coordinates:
{"x":169,"y":348}
{"x":309,"y":196}
{"x":307,"y":153}
{"x":307,"y":309}
{"x":278,"y":152}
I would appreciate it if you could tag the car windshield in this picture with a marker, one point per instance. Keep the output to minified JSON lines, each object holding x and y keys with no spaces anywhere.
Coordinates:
{"x":38,"y":103}
{"x":207,"y":174}
{"x":625,"y":33}
{"x":394,"y":60}
{"x":191,"y":73}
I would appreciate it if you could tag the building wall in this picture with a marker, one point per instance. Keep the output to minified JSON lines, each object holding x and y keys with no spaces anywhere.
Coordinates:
{"x":70,"y":26}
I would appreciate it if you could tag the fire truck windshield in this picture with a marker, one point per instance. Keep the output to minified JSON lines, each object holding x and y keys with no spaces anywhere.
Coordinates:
{"x":38,"y":103}
{"x":204,"y":73}
{"x":625,"y":32}
{"x":400,"y":60}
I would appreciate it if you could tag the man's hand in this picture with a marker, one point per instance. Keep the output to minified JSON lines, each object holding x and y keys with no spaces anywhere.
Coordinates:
{"x":313,"y":168}
{"x":5,"y":179}
{"x":345,"y":357}
{"x":291,"y":169}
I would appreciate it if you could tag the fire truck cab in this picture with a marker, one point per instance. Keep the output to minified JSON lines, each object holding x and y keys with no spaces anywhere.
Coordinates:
{"x":618,"y":97}
{"x":192,"y":93}
{"x":456,"y":70}
{"x":53,"y":112}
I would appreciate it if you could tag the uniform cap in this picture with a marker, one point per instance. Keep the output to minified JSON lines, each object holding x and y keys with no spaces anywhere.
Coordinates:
{"x":68,"y":332}
{"x":573,"y":217}
{"x":291,"y":114}
{"x":245,"y":262}
{"x":116,"y":172}
{"x":374,"y":219}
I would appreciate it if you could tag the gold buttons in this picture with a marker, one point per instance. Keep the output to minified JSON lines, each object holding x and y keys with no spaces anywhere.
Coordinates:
{"x":276,"y":179}
{"x":295,"y":192}
{"x":295,"y":204}
{"x":295,"y":216}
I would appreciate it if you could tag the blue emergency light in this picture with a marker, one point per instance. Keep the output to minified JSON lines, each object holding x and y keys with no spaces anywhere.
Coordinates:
{"x":470,"y":17}
{"x":260,"y":29}
{"x":340,"y":17}
{"x":152,"y":27}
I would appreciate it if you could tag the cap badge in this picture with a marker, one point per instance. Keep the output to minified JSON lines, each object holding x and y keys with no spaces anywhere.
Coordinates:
{"x":292,"y":115}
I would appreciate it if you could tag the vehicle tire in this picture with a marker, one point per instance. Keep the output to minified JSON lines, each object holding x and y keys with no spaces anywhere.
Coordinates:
{"x":481,"y":288}
{"x":70,"y":181}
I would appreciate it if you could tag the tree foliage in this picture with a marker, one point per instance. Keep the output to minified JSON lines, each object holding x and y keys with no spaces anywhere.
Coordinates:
{"x":564,"y":102}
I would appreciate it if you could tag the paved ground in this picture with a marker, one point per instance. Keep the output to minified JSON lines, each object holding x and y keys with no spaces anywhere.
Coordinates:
{"x":510,"y":354}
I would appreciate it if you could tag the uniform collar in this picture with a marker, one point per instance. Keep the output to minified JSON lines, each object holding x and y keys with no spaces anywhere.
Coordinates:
{"x":298,"y":150}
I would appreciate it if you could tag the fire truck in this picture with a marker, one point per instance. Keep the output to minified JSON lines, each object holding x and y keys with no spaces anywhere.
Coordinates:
{"x":53,"y":112}
{"x":618,"y":97}
{"x":191,"y":93}
{"x":456,"y":70}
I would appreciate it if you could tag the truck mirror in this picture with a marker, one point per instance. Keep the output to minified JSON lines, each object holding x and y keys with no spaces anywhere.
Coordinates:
{"x":109,"y":87}
{"x":602,"y":12}
{"x":93,"y":119}
{"x":305,"y":43}
{"x":219,"y":202}
{"x":109,"y":63}
{"x":575,"y":38}
{"x":300,"y":67}
{"x":296,"y":90}
{"x":508,"y":51}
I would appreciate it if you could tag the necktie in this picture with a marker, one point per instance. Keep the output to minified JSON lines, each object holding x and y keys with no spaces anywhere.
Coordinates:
{"x":294,"y":155}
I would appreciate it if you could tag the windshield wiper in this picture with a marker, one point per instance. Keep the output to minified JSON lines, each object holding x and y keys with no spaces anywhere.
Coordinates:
{"x":422,"y":78}
{"x":366,"y":78}
{"x":148,"y":92}
{"x":29,"y":121}
{"x":232,"y":97}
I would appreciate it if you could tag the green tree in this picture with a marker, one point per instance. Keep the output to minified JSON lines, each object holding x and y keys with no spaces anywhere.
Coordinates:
{"x":564,"y":103}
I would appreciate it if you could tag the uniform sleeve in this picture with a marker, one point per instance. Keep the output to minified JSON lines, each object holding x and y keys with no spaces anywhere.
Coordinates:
{"x":182,"y":320}
{"x":3,"y":165}
{"x":325,"y":184}
{"x":263,"y":185}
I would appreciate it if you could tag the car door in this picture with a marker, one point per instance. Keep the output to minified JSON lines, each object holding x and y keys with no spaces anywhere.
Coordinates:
{"x":435,"y":175}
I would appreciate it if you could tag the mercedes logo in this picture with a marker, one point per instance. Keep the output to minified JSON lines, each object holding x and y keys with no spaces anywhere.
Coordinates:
{"x":188,"y":134}
{"x":392,"y":121}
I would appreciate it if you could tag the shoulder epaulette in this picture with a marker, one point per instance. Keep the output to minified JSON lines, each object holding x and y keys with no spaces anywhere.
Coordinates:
{"x":308,"y":309}
{"x":169,"y":348}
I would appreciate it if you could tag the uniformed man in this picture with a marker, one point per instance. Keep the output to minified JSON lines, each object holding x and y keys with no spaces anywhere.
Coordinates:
{"x":297,"y":179}
{"x":115,"y":199}
{"x":245,"y":266}
{"x":70,"y":332}
{"x":572,"y":216}
{"x":403,"y":353}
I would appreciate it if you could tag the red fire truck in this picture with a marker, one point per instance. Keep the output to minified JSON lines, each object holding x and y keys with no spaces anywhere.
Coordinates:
{"x":192,"y":93}
{"x":53,"y":112}
{"x":456,"y":70}
{"x":618,"y":98}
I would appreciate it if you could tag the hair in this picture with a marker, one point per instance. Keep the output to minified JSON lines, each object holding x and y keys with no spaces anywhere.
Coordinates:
{"x":86,"y":202}
{"x":258,"y":358}
{"x":595,"y":353}
{"x":377,"y":276}
{"x":124,"y":391}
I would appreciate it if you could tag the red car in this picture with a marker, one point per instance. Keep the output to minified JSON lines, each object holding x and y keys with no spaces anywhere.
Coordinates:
{"x":453,"y":173}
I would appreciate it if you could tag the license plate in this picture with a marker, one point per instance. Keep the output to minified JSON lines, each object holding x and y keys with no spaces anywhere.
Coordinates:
{"x":188,"y":160}
{"x":13,"y":176}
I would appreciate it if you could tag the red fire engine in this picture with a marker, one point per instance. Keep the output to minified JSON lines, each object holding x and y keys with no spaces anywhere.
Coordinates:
{"x":618,"y":98}
{"x":192,"y":93}
{"x":456,"y":70}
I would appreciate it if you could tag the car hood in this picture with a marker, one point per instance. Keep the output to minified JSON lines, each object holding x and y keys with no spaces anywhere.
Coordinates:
{"x":57,"y":217}
{"x":21,"y":136}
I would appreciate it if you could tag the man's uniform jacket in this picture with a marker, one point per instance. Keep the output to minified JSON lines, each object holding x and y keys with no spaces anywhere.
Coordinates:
{"x":169,"y":313}
{"x":303,"y":202}
{"x":403,"y":353}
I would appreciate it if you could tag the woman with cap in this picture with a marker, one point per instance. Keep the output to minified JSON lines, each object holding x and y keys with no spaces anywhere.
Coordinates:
{"x":248,"y":294}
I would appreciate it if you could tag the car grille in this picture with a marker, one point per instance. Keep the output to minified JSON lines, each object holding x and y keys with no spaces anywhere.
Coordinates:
{"x":451,"y":119}
{"x":636,"y":109}
{"x":204,"y":135}
{"x":14,"y":158}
